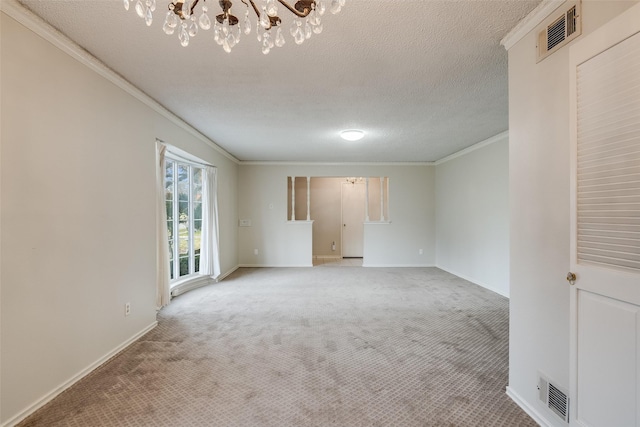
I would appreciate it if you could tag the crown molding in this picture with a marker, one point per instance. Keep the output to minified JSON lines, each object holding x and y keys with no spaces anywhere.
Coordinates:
{"x":36,"y":24}
{"x":529,"y":22}
{"x":499,"y":137}
{"x":283,"y":163}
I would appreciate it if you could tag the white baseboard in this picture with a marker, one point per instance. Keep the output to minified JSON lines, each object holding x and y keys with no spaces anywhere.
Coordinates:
{"x":74,"y":379}
{"x":274,"y":266}
{"x":366,"y":264}
{"x":531,"y":411}
{"x":474,"y":281}
{"x":198,"y":283}
{"x":224,"y":275}
{"x":191,"y":285}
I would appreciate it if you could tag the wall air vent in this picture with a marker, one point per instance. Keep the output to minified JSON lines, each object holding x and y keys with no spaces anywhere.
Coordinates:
{"x":553,"y":398}
{"x":559,"y":30}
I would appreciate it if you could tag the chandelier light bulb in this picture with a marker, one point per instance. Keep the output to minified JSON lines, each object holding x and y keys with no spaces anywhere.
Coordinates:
{"x":227,"y":28}
{"x":352,"y":134}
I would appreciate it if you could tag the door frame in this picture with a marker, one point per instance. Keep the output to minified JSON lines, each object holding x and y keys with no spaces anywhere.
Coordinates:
{"x":611,"y":33}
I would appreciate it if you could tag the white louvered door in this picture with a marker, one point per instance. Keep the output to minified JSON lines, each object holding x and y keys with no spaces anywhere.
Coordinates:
{"x":605,"y":220}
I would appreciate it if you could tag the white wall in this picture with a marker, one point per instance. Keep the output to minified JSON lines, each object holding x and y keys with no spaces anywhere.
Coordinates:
{"x":539,"y":206}
{"x":78,"y":216}
{"x":412,"y":212}
{"x":472,"y":214}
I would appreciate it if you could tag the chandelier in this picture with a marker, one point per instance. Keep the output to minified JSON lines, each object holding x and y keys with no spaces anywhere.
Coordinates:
{"x":184,"y":18}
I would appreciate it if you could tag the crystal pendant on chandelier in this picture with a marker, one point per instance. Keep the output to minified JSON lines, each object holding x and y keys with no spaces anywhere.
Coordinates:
{"x":140,"y":9}
{"x":204,"y":21}
{"x":280,"y":41}
{"x":321,"y":7}
{"x":183,"y":36}
{"x":265,"y":22}
{"x":186,"y":9}
{"x":186,"y":19}
{"x":148,"y":17}
{"x":246,"y":24}
{"x":272,"y":8}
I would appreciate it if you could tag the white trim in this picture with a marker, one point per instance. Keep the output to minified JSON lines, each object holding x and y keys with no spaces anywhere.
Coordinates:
{"x":300,"y":221}
{"x":496,"y":138}
{"x":225,"y":275}
{"x":615,"y":31}
{"x":474,"y":281}
{"x":174,"y":153}
{"x":190,"y":284}
{"x":282,"y":163}
{"x":275,"y":265}
{"x":397,"y":265}
{"x":36,"y":24}
{"x":74,"y":379}
{"x":532,"y":412}
{"x":376,"y":222}
{"x":530,"y":22}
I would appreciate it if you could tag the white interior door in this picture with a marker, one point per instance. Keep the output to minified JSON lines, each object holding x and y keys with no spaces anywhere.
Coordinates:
{"x":353,"y":215}
{"x":605,"y":225}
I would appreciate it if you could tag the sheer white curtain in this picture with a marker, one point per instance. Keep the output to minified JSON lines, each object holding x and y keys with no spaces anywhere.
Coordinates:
{"x":163,"y":293}
{"x":209,"y":246}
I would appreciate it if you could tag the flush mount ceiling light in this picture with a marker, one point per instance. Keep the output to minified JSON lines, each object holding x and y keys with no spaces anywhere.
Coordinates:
{"x":352,"y":134}
{"x":227,"y":28}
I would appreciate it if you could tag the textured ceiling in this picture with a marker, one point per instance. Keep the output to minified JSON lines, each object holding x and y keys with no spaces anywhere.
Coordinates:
{"x":422,"y":78}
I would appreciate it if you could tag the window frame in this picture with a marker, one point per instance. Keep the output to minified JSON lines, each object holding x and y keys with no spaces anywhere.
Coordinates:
{"x":175,"y":232}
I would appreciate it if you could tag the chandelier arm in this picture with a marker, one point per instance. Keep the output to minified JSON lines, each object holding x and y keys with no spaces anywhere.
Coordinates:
{"x":193,"y":6}
{"x":293,"y":10}
{"x":181,"y":3}
{"x":255,"y":9}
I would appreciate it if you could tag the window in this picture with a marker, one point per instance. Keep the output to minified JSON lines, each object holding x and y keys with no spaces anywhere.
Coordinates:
{"x":183,"y":189}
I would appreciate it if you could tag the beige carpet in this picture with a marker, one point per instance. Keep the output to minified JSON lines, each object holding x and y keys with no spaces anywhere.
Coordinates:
{"x":318,"y":346}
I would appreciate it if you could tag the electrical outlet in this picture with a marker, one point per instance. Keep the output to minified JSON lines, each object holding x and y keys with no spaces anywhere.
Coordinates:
{"x":255,"y":252}
{"x":420,"y":251}
{"x":127,"y":308}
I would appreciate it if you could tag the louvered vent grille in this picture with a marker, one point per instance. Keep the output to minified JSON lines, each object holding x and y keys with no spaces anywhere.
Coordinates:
{"x":562,"y":29}
{"x":554,"y":398}
{"x":558,"y":402}
{"x":572,"y":21}
{"x":608,"y":89}
{"x":556,"y":33}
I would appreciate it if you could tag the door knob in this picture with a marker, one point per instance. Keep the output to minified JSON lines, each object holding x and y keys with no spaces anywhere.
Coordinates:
{"x":571,"y":278}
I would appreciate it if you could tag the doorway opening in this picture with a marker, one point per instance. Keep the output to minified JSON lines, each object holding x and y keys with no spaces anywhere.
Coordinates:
{"x":339,"y":207}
